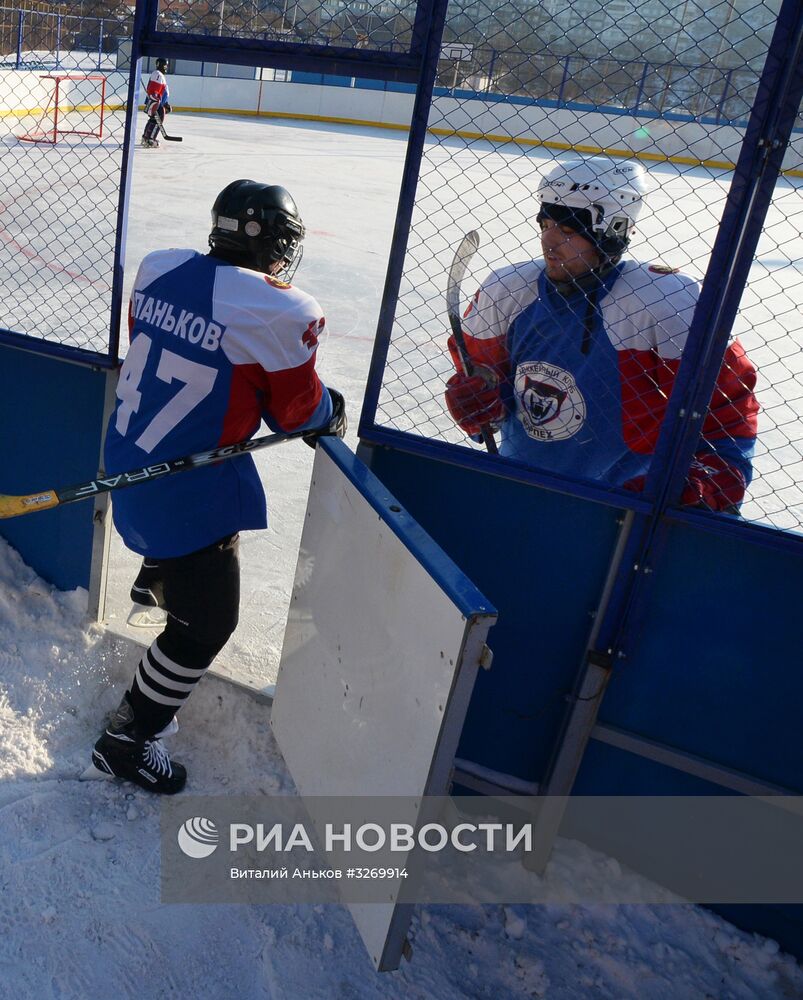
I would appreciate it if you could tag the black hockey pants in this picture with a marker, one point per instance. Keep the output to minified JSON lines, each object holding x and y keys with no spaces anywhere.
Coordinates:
{"x":201,"y":595}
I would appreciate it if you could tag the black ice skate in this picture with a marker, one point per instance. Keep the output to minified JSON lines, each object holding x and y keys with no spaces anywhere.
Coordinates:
{"x":125,"y":752}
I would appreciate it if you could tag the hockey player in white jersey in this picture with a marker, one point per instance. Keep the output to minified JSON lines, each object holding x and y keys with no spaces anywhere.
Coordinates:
{"x":575,"y":354}
{"x":157,"y":103}
{"x":219,"y":342}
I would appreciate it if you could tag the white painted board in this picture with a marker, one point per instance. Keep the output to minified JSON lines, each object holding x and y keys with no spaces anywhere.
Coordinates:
{"x":382,"y":645}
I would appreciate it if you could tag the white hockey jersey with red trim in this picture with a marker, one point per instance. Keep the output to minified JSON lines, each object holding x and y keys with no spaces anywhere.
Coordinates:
{"x":157,"y":92}
{"x":214,"y":350}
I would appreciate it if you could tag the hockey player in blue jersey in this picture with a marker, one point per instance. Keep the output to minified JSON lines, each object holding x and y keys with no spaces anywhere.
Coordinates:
{"x":576,"y":354}
{"x":219,"y":342}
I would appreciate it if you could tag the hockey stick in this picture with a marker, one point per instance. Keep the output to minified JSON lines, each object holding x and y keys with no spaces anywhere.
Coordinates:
{"x":170,"y":138}
{"x":465,"y":251}
{"x":12,"y":506}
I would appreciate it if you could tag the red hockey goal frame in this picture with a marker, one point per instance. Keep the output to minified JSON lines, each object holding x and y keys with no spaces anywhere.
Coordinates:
{"x":48,"y":128}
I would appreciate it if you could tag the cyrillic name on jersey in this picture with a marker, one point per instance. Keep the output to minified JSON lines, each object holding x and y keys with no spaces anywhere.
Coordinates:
{"x":187,"y":326}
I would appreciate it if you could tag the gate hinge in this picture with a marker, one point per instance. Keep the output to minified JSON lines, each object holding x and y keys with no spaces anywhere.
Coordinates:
{"x":486,"y":657}
{"x":597,"y":658}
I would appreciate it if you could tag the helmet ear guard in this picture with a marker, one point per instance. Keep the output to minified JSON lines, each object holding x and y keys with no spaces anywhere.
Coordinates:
{"x":616,"y":238}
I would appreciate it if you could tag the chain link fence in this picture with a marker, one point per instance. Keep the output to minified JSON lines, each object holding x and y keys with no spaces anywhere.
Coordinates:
{"x":385,"y":26}
{"x":61,"y":136}
{"x":583,"y":372}
{"x":38,"y":39}
{"x":770,"y":324}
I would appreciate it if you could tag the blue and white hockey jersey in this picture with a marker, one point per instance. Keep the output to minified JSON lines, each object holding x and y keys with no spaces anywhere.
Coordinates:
{"x":586,"y":379}
{"x":214,"y":350}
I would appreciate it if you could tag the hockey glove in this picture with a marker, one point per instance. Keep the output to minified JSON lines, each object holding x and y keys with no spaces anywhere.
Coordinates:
{"x":711,"y":484}
{"x":338,"y":423}
{"x":167,"y":108}
{"x":474,"y":401}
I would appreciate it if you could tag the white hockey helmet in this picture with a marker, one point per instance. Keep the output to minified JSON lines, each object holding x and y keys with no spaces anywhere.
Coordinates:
{"x":600,"y":198}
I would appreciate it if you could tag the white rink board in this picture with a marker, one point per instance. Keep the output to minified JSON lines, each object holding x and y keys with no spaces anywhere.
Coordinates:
{"x":382,"y":646}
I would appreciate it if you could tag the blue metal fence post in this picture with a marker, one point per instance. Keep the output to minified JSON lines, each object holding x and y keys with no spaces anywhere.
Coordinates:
{"x":641,"y":83}
{"x":565,"y":77}
{"x":432,"y":33}
{"x":100,"y":44}
{"x":724,"y":97}
{"x":769,"y":128}
{"x":20,"y":23}
{"x":491,"y":66}
{"x":58,"y":40}
{"x":144,"y":15}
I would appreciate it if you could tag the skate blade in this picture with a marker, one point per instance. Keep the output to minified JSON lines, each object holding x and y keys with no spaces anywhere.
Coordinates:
{"x":93,"y":773}
{"x":141,"y":617}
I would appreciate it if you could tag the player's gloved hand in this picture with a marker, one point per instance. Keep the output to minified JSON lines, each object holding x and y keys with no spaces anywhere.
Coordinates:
{"x":338,"y":424}
{"x":167,"y":108}
{"x":711,"y":484}
{"x":474,"y":401}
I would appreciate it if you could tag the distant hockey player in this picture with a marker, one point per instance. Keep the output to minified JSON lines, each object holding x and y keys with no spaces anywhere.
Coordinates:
{"x":575,"y":355}
{"x":219,"y":342}
{"x":157,"y":103}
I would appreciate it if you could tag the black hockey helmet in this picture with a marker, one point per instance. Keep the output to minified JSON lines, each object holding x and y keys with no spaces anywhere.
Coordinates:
{"x":162,"y":65}
{"x":260,"y":223}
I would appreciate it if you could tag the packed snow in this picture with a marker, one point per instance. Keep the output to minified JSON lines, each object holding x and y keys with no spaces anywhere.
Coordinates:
{"x":80,"y":915}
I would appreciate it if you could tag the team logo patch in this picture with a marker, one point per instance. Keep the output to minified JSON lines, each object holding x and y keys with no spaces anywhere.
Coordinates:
{"x":276,"y":282}
{"x":548,"y":402}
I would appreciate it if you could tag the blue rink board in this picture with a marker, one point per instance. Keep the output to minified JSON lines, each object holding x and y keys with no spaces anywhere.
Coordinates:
{"x":542,"y":558}
{"x":607,"y":770}
{"x":712,"y":666}
{"x":714,"y":670}
{"x":51,"y":415}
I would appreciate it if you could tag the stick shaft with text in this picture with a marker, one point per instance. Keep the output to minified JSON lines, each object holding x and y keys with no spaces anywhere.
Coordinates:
{"x":14,"y":506}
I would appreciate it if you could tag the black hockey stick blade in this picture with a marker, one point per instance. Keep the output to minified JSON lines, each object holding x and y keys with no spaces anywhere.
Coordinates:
{"x":14,"y":506}
{"x":466,"y":249}
{"x":171,"y":138}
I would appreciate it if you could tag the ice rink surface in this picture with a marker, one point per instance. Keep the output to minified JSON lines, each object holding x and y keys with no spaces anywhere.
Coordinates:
{"x":346,"y":182}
